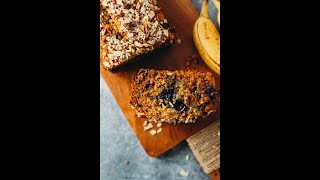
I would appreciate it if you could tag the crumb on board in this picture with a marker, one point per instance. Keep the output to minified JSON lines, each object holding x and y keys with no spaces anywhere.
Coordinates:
{"x":183,"y":173}
{"x":192,"y":59}
{"x":148,"y":126}
{"x":159,"y":130}
{"x":153,"y":132}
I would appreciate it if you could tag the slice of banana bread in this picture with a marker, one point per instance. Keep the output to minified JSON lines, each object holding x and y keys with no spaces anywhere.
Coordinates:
{"x":174,"y":96}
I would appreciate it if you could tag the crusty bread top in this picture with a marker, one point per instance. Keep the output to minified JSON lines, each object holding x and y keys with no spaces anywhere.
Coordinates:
{"x":130,"y":28}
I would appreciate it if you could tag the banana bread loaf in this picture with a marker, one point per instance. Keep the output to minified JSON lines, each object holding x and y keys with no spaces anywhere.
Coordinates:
{"x":129,"y":28}
{"x":173,"y":96}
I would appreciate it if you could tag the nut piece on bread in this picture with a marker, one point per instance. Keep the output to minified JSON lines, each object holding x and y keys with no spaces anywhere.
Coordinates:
{"x":129,"y":29}
{"x":174,"y":96}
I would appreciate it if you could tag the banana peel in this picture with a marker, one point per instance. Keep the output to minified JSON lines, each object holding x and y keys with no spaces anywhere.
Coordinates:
{"x":207,"y":39}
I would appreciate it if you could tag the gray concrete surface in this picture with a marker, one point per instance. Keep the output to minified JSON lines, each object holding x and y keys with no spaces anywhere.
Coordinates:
{"x":122,"y":156}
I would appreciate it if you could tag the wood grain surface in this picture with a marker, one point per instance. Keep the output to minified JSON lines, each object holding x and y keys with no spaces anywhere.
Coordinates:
{"x":182,"y":15}
{"x":215,"y":175}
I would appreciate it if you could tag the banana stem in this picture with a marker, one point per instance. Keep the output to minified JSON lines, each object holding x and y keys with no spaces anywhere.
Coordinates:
{"x":204,"y":9}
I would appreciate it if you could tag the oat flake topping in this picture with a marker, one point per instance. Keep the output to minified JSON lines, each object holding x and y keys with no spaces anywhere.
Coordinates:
{"x":129,"y":28}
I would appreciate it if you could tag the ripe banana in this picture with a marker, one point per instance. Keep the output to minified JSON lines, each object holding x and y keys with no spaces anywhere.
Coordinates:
{"x":207,"y":39}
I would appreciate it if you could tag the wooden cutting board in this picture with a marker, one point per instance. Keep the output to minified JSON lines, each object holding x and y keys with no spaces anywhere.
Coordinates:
{"x":182,"y":15}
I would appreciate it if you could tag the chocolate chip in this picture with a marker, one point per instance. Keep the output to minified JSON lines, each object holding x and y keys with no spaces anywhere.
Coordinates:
{"x":148,"y":86}
{"x":118,"y":36}
{"x":165,"y":25}
{"x":194,"y":88}
{"x":131,"y":25}
{"x":211,"y":92}
{"x":128,"y":6}
{"x":180,"y":106}
{"x":166,"y":95}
